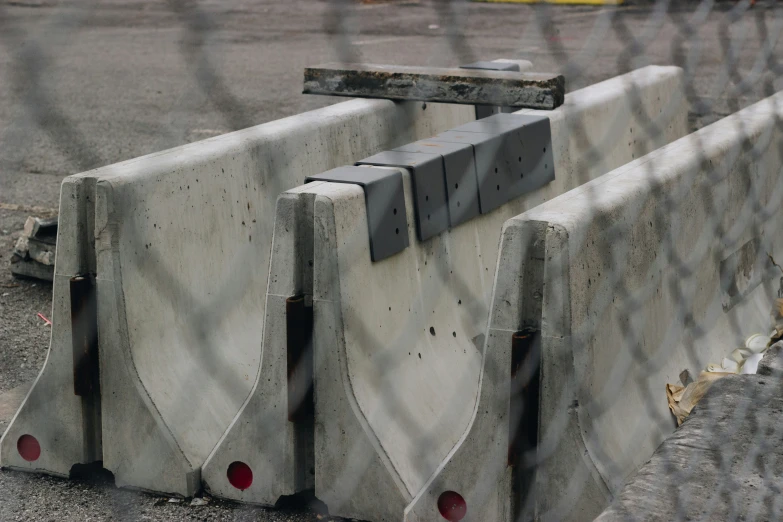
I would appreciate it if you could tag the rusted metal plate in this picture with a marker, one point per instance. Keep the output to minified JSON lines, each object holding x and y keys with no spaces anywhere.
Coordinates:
{"x":464,"y":86}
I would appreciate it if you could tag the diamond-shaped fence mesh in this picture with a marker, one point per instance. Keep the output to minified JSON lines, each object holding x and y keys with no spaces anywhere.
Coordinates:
{"x":708,"y":208}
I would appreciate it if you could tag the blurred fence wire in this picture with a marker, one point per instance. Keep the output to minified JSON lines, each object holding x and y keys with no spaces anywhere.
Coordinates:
{"x":742,"y":77}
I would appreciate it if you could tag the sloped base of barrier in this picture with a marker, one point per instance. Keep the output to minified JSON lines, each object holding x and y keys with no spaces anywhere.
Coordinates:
{"x":167,"y":230}
{"x":603,"y":410}
{"x":398,"y":342}
{"x":55,"y":428}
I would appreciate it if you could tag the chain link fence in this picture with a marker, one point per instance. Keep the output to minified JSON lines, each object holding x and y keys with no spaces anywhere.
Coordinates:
{"x":728,"y":51}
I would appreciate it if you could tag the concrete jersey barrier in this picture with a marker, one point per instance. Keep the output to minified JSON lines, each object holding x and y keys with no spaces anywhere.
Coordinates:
{"x":655,"y":267}
{"x":398,"y":342}
{"x":178,"y":245}
{"x":264,"y":454}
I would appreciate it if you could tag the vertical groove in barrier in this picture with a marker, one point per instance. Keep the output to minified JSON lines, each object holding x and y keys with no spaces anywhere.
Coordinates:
{"x":299,"y":334}
{"x":86,"y":371}
{"x":524,"y":401}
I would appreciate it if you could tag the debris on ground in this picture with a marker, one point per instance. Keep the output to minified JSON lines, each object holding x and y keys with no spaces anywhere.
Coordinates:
{"x":752,"y":350}
{"x":199,"y":501}
{"x":33,"y":254}
{"x":682,"y":399}
{"x":45,"y":320}
{"x":744,"y":360}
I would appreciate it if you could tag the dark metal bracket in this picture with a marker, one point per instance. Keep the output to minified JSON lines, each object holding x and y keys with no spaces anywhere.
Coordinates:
{"x":513,"y":155}
{"x":385,"y":201}
{"x":86,"y":363}
{"x":457,"y":175}
{"x":460,"y":172}
{"x":299,"y":351}
{"x":429,"y":187}
{"x":84,"y":336}
{"x":523,"y":423}
{"x":301,"y":402}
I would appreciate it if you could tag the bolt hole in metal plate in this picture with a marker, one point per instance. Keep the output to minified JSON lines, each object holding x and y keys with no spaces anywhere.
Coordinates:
{"x":460,"y":170}
{"x":385,"y":201}
{"x":499,"y":142}
{"x":429,"y":187}
{"x":485,"y":148}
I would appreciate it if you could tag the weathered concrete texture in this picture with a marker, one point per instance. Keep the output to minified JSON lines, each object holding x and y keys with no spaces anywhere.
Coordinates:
{"x":590,"y":121}
{"x":724,"y":463}
{"x":772,"y":362}
{"x":183,"y":241}
{"x":138,"y":107}
{"x":184,"y":250}
{"x":404,"y":332}
{"x":627,"y":293}
{"x":470,"y":86}
{"x":398,"y":342}
{"x":261,"y":435}
{"x":65,"y":425}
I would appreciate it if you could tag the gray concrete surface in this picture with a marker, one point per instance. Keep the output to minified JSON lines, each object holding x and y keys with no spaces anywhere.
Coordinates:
{"x":710,"y":470}
{"x":610,"y":246}
{"x":398,"y":342}
{"x":477,"y":469}
{"x":279,"y":465}
{"x":122,"y":74}
{"x":180,"y":242}
{"x":200,"y":299}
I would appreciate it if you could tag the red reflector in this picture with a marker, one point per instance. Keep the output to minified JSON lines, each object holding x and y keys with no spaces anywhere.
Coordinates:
{"x":452,"y":506}
{"x":28,"y":448}
{"x":240,"y":475}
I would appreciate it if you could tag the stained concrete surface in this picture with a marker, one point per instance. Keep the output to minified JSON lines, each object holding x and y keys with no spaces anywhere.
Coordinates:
{"x":84,"y":85}
{"x":723,"y":463}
